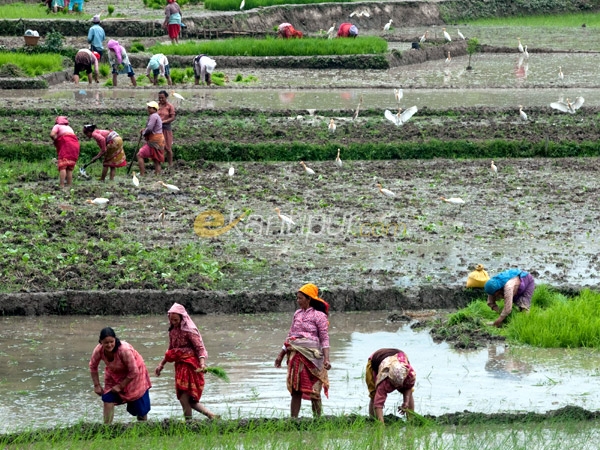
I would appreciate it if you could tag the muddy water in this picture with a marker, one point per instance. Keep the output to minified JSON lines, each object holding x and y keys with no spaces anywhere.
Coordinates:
{"x":45,"y":366}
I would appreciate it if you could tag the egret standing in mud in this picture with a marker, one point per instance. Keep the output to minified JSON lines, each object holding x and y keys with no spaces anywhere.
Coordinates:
{"x":386,"y":192}
{"x":398,"y":94}
{"x":387,"y":26}
{"x":522,"y":114}
{"x":135,"y":180}
{"x":170,"y":187}
{"x":446,"y":35}
{"x":448,"y":58}
{"x":355,"y":115}
{"x":520,"y":46}
{"x":285,"y":220}
{"x":494,"y":168}
{"x":338,"y":161}
{"x":460,"y":35}
{"x":424,"y":37}
{"x":526,"y":53}
{"x":331,"y":32}
{"x":561,"y":76}
{"x":98,"y":201}
{"x":307,"y":169}
{"x":331,"y":126}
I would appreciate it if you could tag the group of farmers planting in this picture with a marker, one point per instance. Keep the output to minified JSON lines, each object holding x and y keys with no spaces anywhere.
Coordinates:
{"x":306,"y":349}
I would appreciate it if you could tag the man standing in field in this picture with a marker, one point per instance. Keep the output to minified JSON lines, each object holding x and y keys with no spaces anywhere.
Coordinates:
{"x":96,"y":36}
{"x":166,"y":111}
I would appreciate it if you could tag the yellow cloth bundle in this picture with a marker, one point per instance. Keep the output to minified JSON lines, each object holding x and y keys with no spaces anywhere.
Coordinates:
{"x":478,"y":277}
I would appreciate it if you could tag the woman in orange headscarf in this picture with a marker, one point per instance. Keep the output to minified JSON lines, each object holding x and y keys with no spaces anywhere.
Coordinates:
{"x":187,"y":351}
{"x":307,"y":350}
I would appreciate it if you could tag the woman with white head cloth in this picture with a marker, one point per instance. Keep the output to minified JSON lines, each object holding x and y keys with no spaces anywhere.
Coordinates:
{"x":204,"y":66}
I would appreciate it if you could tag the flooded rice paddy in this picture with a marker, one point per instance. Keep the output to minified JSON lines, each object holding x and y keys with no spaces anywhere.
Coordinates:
{"x":46,"y":369}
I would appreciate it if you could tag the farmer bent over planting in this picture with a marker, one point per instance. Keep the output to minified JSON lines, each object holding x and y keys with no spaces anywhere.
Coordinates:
{"x":67,"y":148}
{"x":287,"y":31}
{"x":515,"y":286}
{"x":155,"y":141}
{"x":111,"y":147}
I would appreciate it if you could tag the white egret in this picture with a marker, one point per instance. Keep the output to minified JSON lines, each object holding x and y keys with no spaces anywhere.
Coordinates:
{"x":98,"y":201}
{"x":398,"y":93}
{"x":448,"y":58}
{"x":135,"y":180}
{"x":453,"y":200}
{"x":356,"y":12}
{"x":526,"y":53}
{"x":242,"y":4}
{"x":331,"y":126}
{"x":494,"y":168}
{"x":284,"y":219}
{"x":460,"y":35}
{"x":308,"y":170}
{"x":424,"y":37}
{"x":401,"y":117}
{"x":446,"y":35}
{"x":366,"y":13}
{"x":520,"y":47}
{"x":355,"y":116}
{"x":176,"y":95}
{"x":231,"y":172}
{"x":338,"y":161}
{"x":331,"y":31}
{"x":522,"y":114}
{"x":170,"y":187}
{"x":387,"y":26}
{"x":386,"y":192}
{"x":567,"y":106}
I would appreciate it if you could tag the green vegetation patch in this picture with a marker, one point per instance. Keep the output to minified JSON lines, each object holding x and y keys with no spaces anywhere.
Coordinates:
{"x":590,"y":19}
{"x":31,"y":65}
{"x":555,"y":321}
{"x":36,"y":11}
{"x":276,"y":47}
{"x":234,"y":5}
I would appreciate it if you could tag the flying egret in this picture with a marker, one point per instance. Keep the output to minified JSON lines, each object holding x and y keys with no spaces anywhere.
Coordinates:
{"x":424,"y":37}
{"x":401,"y":117}
{"x":520,"y":47}
{"x":170,"y":187}
{"x":356,"y":12}
{"x":366,"y":13}
{"x":242,"y":4}
{"x":561,"y":76}
{"x":231,"y":172}
{"x":135,"y":180}
{"x":446,"y":35}
{"x":331,"y":126}
{"x":398,"y":93}
{"x":386,"y":192}
{"x":98,"y":201}
{"x":387,"y":26}
{"x":453,"y":200}
{"x":308,"y":170}
{"x":460,"y":35}
{"x":526,"y":53}
{"x":568,"y":107}
{"x":284,"y":219}
{"x":449,"y":58}
{"x":338,"y":161}
{"x":522,"y":114}
{"x":494,"y":168}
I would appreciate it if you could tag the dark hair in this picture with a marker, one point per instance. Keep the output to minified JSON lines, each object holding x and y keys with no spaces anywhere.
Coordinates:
{"x":318,"y":305}
{"x":89,"y":128}
{"x":163,"y":92}
{"x":109,"y":332}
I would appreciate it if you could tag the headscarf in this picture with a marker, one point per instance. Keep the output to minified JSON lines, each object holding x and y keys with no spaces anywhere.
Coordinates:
{"x":170,"y":1}
{"x":313,"y":292}
{"x":353,"y":31}
{"x":497,"y":282}
{"x":96,"y":18}
{"x":116,"y":47}
{"x":62,"y":120}
{"x":394,"y":370}
{"x":187,"y":324}
{"x":154,"y":61}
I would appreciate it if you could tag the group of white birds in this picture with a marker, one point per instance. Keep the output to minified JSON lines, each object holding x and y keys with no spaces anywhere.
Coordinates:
{"x":100,"y":201}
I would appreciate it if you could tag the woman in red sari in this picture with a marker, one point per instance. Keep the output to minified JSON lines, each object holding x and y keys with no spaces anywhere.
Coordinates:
{"x":187,"y":351}
{"x":67,"y":147}
{"x":126,"y":378}
{"x":307,"y":350}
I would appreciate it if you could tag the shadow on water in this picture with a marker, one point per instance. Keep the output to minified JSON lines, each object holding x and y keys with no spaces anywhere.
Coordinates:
{"x":46,"y":363}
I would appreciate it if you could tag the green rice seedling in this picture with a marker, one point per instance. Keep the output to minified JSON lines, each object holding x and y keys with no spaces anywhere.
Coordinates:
{"x":111,"y":10}
{"x":218,"y":78}
{"x":276,"y":47}
{"x":180,"y":76}
{"x":33,"y":65}
{"x":104,"y":70}
{"x":218,"y":372}
{"x":234,"y":5}
{"x":33,"y":11}
{"x":137,"y":47}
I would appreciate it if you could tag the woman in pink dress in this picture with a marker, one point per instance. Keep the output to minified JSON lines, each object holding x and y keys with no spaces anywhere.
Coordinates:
{"x":307,"y":350}
{"x":187,"y":351}
{"x":126,"y":378}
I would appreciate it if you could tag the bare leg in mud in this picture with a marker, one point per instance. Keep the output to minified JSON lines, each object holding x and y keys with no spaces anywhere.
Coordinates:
{"x":109,"y":412}
{"x":188,"y":404}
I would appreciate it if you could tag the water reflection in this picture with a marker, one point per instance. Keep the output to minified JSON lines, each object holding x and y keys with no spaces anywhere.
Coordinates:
{"x":45,"y":364}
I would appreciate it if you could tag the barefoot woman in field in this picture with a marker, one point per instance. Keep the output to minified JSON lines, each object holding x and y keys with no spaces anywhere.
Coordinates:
{"x":67,"y":148}
{"x":186,"y":350}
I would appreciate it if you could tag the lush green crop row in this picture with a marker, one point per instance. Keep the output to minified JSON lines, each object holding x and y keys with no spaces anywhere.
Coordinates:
{"x":277,"y":47}
{"x":35,"y":11}
{"x":33,"y":65}
{"x":234,"y":5}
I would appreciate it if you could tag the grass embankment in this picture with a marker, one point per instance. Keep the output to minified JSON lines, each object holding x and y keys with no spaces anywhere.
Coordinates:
{"x":555,"y":321}
{"x":590,"y":19}
{"x":36,"y":11}
{"x":32,"y":65}
{"x":570,"y":427}
{"x":234,"y":5}
{"x":462,"y":10}
{"x":277,"y":47}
